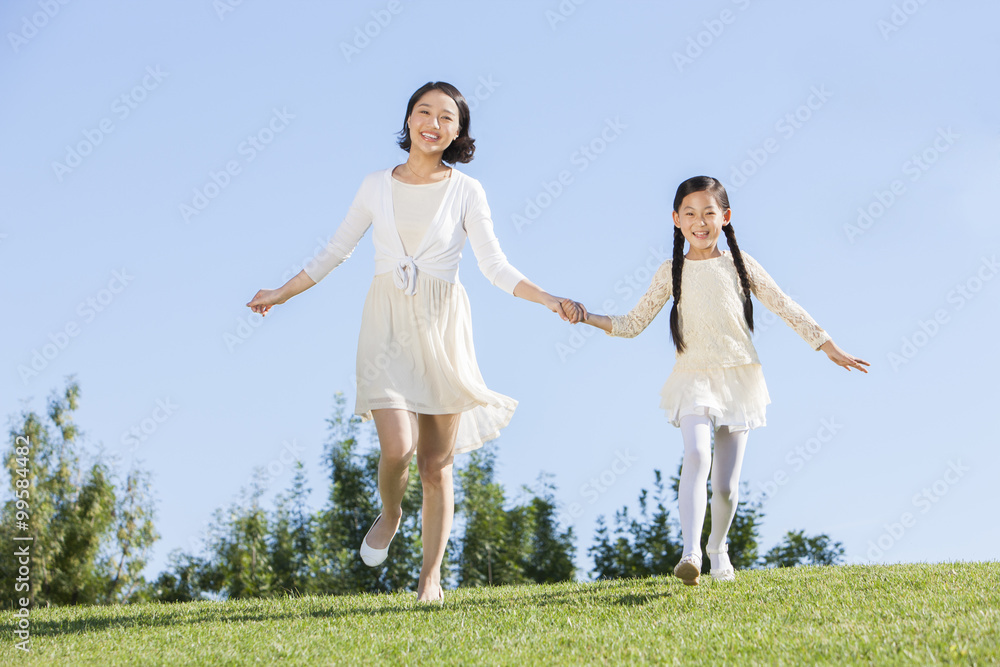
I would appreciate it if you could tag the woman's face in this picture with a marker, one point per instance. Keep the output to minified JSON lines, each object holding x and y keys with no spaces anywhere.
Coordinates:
{"x":701,"y":220}
{"x":433,"y":123}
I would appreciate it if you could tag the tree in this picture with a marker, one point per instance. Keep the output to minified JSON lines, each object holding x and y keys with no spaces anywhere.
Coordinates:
{"x":73,"y":512}
{"x":350,"y":511}
{"x":291,"y":539}
{"x":550,"y":554}
{"x":487,"y":556}
{"x":134,"y":537}
{"x":796,"y":548}
{"x":187,"y":579}
{"x":641,"y":546}
{"x":238,"y":546}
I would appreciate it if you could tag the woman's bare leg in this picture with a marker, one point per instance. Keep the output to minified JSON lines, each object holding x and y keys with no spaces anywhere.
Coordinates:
{"x":397,"y":439}
{"x":435,"y":459}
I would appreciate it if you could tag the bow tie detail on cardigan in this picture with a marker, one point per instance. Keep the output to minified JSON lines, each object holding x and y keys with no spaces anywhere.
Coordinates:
{"x":405,"y":275}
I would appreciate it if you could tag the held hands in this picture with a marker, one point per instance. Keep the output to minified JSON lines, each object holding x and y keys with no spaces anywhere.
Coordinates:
{"x":567,"y":309}
{"x":572,"y":311}
{"x":841,"y":358}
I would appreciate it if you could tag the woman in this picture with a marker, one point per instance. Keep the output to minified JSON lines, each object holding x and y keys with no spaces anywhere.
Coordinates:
{"x":416,"y":366}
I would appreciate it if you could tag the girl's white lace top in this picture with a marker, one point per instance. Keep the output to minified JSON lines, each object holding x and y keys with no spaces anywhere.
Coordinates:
{"x":711,"y":312}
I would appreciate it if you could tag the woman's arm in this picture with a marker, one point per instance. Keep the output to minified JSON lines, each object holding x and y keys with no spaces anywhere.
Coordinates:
{"x":265,"y":298}
{"x":567,"y":309}
{"x":340,"y":246}
{"x":493,"y":264}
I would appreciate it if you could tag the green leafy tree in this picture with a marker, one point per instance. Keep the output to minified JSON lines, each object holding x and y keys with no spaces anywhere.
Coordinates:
{"x":352,"y":507}
{"x":135,"y":534}
{"x":186,"y":579}
{"x":797,"y":548}
{"x":72,"y":512}
{"x":291,"y":538}
{"x":239,"y":549}
{"x":550,"y":553}
{"x":640,"y":546}
{"x":494,"y":541}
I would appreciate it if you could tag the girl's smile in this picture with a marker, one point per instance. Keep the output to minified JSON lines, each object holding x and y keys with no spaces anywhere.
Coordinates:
{"x":701,"y":221}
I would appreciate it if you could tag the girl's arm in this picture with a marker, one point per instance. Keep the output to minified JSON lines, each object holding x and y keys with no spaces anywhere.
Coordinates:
{"x":779,"y":303}
{"x":632,"y":324}
{"x":842,"y":358}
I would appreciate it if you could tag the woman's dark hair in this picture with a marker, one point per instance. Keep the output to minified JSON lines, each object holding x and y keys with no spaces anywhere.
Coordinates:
{"x":713,"y":187}
{"x":464,"y":146}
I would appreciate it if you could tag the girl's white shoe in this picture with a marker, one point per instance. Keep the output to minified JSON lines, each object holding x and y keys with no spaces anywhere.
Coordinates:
{"x":370,"y":556}
{"x":689,"y":569}
{"x":725,"y":571}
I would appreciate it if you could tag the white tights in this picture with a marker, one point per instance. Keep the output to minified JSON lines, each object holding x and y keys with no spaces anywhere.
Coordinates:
{"x":693,"y":492}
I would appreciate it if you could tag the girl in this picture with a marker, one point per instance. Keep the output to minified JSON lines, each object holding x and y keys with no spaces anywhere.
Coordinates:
{"x":416,"y":366}
{"x":717,"y":384}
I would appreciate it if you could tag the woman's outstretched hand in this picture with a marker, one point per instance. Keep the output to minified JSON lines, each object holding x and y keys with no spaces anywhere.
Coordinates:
{"x":841,"y":358}
{"x":264,"y":299}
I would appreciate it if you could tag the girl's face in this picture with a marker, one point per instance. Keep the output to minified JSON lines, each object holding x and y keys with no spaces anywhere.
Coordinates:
{"x":433,"y":123}
{"x":701,"y":220}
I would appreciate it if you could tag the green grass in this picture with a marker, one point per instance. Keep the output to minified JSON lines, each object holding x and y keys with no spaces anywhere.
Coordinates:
{"x":899,"y":614}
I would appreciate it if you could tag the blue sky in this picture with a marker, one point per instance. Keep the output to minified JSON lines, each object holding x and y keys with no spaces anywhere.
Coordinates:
{"x":161,"y":162}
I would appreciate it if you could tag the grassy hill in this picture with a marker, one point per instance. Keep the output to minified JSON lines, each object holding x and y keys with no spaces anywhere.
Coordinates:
{"x":899,"y":614}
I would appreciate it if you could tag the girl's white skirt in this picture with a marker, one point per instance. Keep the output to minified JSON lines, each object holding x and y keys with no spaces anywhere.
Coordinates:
{"x":416,"y":353}
{"x":734,"y":396}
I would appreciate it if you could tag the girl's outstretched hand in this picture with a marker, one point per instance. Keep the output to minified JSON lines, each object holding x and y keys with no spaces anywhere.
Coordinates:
{"x":264,"y":299}
{"x":841,"y":358}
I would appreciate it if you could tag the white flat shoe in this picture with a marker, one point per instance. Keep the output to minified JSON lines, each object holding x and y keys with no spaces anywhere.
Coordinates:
{"x":370,"y":556}
{"x":689,"y":569}
{"x":726,"y":572}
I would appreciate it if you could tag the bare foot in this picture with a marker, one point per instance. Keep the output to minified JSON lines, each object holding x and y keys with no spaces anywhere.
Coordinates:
{"x":381,"y":533}
{"x":429,"y":593}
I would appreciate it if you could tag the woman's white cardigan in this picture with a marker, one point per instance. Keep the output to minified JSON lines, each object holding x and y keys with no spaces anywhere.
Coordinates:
{"x":463,"y":214}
